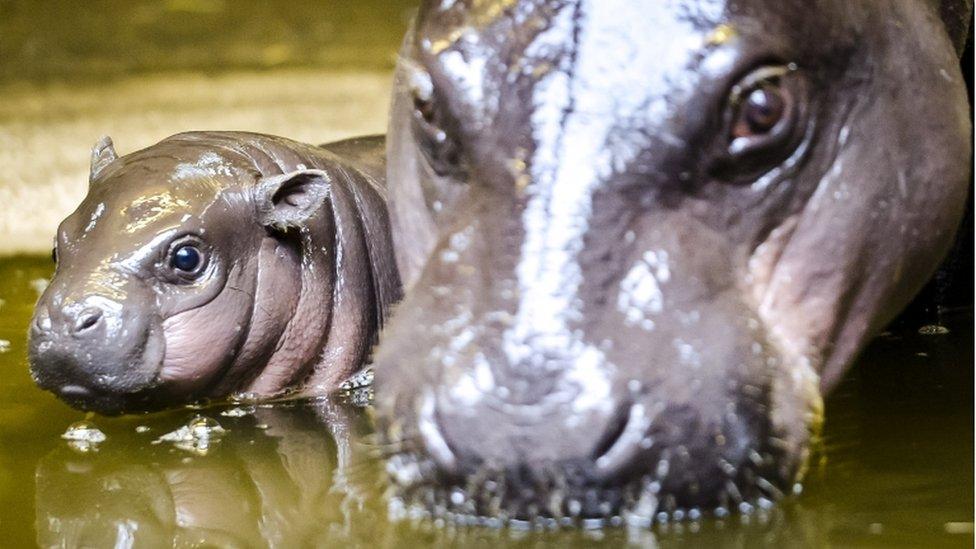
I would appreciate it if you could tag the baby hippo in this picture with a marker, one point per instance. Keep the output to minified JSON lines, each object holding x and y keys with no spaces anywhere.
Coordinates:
{"x":213,"y":264}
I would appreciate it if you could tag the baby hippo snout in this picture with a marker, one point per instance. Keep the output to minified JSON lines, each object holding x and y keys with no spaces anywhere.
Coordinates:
{"x":80,"y":320}
{"x":93,"y":347}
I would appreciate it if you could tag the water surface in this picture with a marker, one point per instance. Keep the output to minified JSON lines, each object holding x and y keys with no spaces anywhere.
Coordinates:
{"x":896,"y":469}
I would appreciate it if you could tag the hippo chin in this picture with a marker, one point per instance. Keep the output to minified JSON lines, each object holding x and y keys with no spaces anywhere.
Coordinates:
{"x":215,"y":263}
{"x":641,"y":239}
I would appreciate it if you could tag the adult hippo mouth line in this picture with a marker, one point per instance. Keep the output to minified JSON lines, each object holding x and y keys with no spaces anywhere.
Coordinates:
{"x":640,"y":240}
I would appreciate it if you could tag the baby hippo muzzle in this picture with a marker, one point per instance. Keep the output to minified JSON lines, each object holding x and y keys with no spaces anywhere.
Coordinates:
{"x":95,"y":352}
{"x":215,"y":264}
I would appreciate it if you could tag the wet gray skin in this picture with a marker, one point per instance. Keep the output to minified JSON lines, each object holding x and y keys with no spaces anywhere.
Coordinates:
{"x":215,"y":263}
{"x":641,"y":239}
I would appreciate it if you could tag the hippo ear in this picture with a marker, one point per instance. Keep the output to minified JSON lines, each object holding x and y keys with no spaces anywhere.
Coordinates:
{"x":290,"y":200}
{"x":103,"y":154}
{"x":957,"y":16}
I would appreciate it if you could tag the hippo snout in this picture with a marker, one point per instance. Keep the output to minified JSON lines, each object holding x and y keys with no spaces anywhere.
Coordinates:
{"x":83,"y":320}
{"x":92,"y":349}
{"x":583,"y":436}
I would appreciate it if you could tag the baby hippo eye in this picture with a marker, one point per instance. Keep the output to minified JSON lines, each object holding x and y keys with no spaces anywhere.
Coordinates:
{"x":761,"y":111}
{"x":186,"y":258}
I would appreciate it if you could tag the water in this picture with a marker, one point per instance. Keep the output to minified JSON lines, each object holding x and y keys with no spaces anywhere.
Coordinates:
{"x":896,"y":469}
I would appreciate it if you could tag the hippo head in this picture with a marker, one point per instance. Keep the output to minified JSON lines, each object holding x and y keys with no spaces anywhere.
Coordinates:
{"x":641,"y":239}
{"x":184,"y":274}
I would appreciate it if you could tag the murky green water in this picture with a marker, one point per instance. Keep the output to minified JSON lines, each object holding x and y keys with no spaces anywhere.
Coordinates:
{"x":897,"y":469}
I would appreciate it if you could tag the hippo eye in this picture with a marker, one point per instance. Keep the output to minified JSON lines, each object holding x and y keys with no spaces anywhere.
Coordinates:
{"x":186,"y":258}
{"x":429,"y":128}
{"x":763,"y":122}
{"x":762,"y":109}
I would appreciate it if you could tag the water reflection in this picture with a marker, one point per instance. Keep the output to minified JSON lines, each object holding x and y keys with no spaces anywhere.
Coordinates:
{"x":897,"y":467}
{"x":291,"y":476}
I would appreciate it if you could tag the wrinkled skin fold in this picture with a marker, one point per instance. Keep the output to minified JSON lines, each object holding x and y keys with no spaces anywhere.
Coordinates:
{"x":641,"y":239}
{"x":214,"y":264}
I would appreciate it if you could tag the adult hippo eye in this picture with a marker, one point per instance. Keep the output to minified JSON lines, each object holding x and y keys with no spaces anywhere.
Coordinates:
{"x":763,"y":108}
{"x":761,"y":111}
{"x":429,"y":127}
{"x":763,"y":121}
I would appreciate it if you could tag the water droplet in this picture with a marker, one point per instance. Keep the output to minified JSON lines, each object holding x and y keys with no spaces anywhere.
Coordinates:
{"x":239,"y":411}
{"x":933,"y":329}
{"x":197,"y":436}
{"x":83,"y":436}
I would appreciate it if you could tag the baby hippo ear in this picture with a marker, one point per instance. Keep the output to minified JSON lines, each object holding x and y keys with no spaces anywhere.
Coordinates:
{"x":103,"y":154}
{"x":289,"y":200}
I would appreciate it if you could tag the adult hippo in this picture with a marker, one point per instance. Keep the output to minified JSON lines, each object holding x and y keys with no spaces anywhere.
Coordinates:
{"x":215,"y":263}
{"x":641,"y":239}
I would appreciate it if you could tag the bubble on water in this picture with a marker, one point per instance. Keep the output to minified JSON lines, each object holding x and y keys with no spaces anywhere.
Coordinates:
{"x":197,"y":436}
{"x":142,"y":428}
{"x":4,"y":346}
{"x":933,"y":329}
{"x":244,"y":397}
{"x":238,"y":411}
{"x":363,"y":378}
{"x":83,"y":436}
{"x":198,"y":405}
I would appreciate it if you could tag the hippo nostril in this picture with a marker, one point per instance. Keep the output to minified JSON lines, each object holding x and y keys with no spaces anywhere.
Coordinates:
{"x":42,"y":322}
{"x":613,"y":432}
{"x":87,"y":319}
{"x":624,"y":441}
{"x":432,"y":435}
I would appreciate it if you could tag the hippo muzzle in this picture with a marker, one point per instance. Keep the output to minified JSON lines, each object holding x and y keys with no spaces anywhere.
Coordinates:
{"x":640,"y":240}
{"x":96,"y":348}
